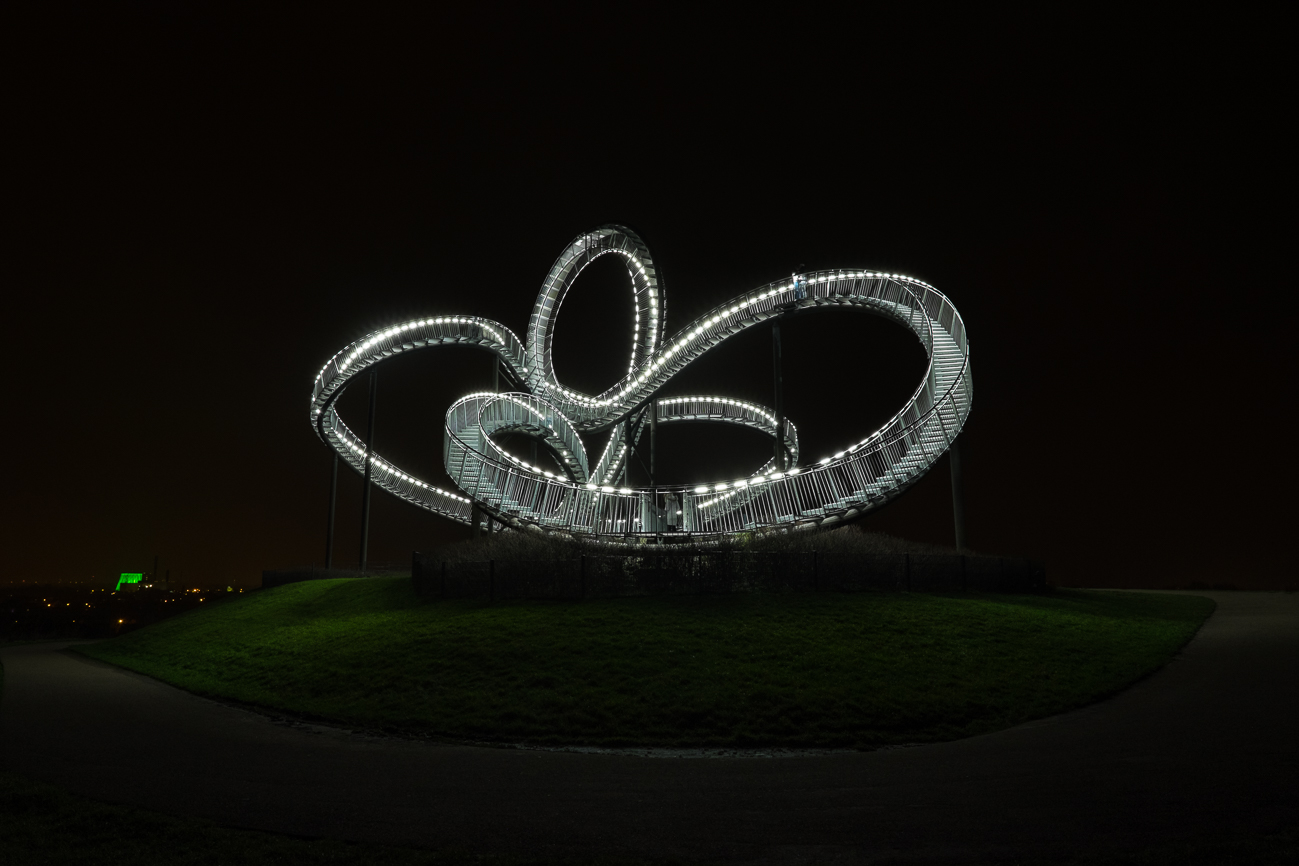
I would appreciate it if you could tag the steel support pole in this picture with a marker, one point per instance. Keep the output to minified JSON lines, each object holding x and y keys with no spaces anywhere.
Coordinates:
{"x":496,"y":389}
{"x":369,"y":464}
{"x":958,"y":493}
{"x":627,"y":440}
{"x":654,"y":436}
{"x":478,"y":516}
{"x":779,"y":451}
{"x":333,"y":503}
{"x":655,"y":511}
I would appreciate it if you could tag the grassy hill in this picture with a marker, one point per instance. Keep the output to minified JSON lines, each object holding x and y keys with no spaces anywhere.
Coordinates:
{"x":814,"y":670}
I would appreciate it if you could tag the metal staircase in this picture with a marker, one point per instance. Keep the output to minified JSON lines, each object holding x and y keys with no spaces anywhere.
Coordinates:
{"x":584,"y":499}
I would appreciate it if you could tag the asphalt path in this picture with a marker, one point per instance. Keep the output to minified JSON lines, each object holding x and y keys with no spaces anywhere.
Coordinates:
{"x":1208,"y":745}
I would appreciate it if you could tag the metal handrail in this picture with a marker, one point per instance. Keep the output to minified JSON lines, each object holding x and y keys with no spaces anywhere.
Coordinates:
{"x":859,"y":478}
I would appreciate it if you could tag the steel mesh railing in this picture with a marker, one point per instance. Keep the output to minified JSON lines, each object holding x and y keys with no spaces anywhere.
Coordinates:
{"x":863,"y":476}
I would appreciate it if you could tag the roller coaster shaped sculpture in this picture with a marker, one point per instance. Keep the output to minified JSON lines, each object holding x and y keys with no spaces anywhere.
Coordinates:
{"x":586,"y":499}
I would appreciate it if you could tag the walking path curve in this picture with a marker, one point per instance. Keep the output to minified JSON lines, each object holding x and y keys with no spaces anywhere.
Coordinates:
{"x":1208,"y":744}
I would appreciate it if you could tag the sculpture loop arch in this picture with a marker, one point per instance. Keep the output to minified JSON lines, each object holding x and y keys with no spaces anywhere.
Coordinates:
{"x":585,"y":499}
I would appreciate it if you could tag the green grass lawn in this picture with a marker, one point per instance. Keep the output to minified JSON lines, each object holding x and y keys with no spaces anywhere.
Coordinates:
{"x":797,"y":670}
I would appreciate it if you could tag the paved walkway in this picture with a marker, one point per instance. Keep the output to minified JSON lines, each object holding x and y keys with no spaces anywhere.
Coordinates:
{"x":1209,"y":744}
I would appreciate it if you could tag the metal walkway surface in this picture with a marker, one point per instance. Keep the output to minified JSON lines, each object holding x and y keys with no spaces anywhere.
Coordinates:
{"x":1207,"y":745}
{"x":586,"y":497}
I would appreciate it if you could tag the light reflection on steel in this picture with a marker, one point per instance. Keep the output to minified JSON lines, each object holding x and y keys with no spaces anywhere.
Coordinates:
{"x":586,"y":499}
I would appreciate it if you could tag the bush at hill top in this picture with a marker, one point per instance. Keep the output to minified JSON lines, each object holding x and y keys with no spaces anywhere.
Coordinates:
{"x":525,"y":545}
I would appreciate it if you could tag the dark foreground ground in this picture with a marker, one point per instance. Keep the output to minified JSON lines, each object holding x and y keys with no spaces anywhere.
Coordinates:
{"x":1206,"y":747}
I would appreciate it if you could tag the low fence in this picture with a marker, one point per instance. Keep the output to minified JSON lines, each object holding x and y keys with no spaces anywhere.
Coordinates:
{"x":613,"y":576}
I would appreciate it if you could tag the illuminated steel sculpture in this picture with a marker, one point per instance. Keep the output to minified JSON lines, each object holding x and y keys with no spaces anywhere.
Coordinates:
{"x":587,"y":497}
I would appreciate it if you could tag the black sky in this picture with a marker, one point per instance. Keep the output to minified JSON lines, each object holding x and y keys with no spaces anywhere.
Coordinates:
{"x":207,"y":205}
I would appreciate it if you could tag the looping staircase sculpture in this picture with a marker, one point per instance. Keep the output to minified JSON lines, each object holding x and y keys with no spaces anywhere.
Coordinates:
{"x":585,"y":499}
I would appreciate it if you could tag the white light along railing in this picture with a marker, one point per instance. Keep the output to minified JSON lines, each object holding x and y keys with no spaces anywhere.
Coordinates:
{"x":862,"y":476}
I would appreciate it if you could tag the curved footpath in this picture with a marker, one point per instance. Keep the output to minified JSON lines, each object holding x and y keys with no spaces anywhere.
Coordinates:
{"x":1208,"y":745}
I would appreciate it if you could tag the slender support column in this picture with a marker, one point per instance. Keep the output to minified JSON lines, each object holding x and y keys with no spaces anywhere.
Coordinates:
{"x":655,"y":511}
{"x":958,"y":493}
{"x":482,"y":520}
{"x":779,"y":451}
{"x":654,"y":435}
{"x":333,"y":502}
{"x":534,"y":463}
{"x":627,"y":441}
{"x":369,"y":464}
{"x":534,"y":441}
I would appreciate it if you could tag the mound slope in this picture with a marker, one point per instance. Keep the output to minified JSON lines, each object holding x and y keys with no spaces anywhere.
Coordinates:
{"x":809,"y":671}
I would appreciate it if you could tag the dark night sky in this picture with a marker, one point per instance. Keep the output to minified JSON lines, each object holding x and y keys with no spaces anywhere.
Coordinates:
{"x":205,"y":208}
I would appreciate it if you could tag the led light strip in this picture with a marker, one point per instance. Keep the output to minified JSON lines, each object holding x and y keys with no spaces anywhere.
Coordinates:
{"x":908,"y":444}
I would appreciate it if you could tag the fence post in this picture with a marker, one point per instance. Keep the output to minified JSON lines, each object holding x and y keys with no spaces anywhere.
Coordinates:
{"x":491,"y":580}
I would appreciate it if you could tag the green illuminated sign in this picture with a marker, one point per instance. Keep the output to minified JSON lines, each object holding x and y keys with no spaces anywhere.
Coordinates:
{"x":127,"y":578}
